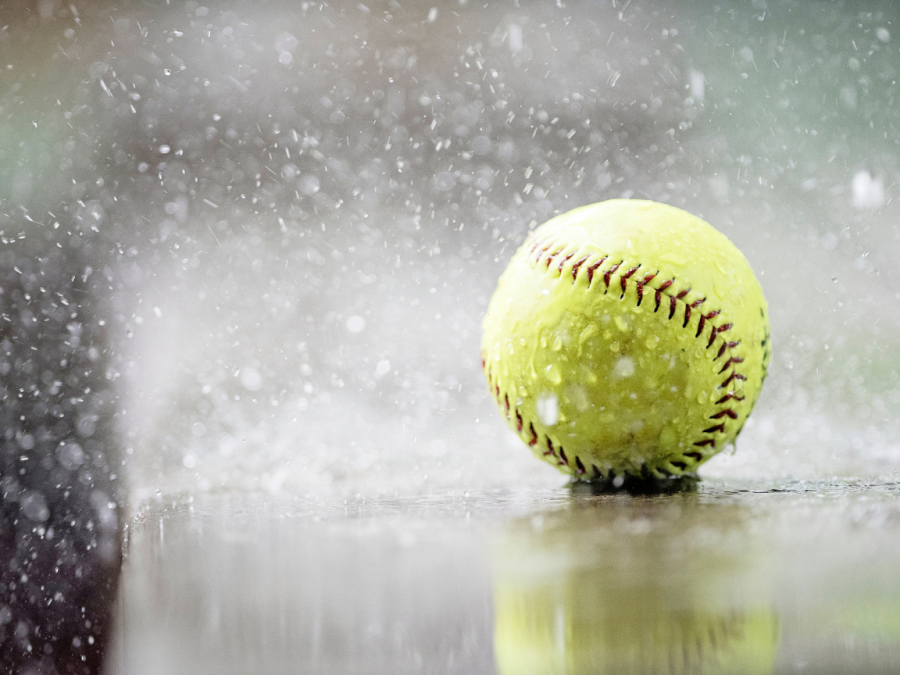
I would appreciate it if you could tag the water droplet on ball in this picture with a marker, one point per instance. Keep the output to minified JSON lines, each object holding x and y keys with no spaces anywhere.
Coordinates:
{"x":624,"y":367}
{"x":553,"y":373}
{"x":548,"y":409}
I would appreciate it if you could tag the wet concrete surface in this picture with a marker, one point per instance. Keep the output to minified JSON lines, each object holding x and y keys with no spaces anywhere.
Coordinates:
{"x":719,"y":577}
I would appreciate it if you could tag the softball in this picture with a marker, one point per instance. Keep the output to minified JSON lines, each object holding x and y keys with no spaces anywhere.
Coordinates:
{"x":626,"y":338}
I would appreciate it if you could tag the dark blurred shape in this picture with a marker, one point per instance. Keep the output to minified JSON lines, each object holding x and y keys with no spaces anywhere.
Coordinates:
{"x":60,"y":548}
{"x":637,"y":485}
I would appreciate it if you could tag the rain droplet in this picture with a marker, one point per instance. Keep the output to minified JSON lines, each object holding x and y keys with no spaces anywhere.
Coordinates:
{"x":624,"y":367}
{"x":553,"y":373}
{"x":70,"y":455}
{"x":251,"y":379}
{"x":356,"y":324}
{"x":34,"y":506}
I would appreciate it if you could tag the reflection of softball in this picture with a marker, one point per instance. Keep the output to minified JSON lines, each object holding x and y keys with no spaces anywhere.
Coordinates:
{"x":591,"y":592}
{"x":626,"y":337}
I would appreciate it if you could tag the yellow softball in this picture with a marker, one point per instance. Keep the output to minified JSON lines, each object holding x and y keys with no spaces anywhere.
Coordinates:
{"x":626,"y":338}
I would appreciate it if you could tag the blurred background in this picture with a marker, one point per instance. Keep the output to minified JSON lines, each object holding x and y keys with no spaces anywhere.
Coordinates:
{"x":294,"y":213}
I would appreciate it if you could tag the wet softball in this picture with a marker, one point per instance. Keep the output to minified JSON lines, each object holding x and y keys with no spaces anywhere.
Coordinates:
{"x":626,"y":338}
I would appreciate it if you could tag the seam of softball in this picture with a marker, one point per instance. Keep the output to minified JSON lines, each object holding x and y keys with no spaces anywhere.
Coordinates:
{"x":558,"y":452}
{"x":548,"y":254}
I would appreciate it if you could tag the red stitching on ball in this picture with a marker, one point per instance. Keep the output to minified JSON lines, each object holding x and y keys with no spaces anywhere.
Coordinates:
{"x":729,"y":345}
{"x":565,"y":260}
{"x":540,"y":252}
{"x":534,"y":439}
{"x":733,"y":359}
{"x":717,"y":428}
{"x":624,"y":279}
{"x":553,"y":255}
{"x":659,"y":292}
{"x":550,"y":450}
{"x":593,"y":268}
{"x":579,"y":467}
{"x":733,"y":376}
{"x":705,"y":317}
{"x":727,"y":397}
{"x":715,"y":332}
{"x":722,"y":413}
{"x":610,"y":272}
{"x":519,"y":421}
{"x":708,"y":441}
{"x":577,"y":265}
